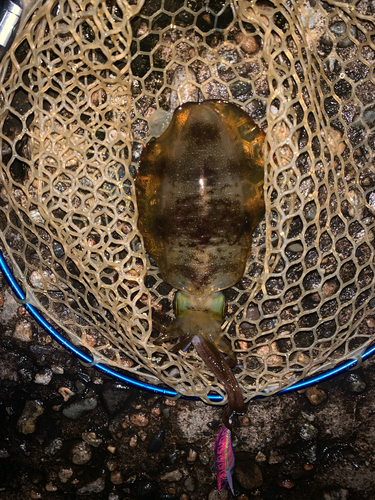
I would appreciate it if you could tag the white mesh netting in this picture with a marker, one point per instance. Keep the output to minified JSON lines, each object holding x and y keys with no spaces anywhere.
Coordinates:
{"x":84,"y":87}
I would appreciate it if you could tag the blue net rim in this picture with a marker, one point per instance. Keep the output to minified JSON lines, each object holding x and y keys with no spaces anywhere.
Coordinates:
{"x":165,"y":391}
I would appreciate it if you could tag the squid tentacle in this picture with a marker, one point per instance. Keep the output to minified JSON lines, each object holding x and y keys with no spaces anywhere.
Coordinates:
{"x":210,"y":354}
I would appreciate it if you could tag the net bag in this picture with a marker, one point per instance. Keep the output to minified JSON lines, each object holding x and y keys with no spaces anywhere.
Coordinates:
{"x":85,"y":86}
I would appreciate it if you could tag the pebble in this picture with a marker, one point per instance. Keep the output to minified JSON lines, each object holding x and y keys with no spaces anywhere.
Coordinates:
{"x":65,"y":474}
{"x":26,"y":422}
{"x":116,"y":477}
{"x":23,"y":331}
{"x":66,"y":393}
{"x":275,"y":457}
{"x":111,"y":449}
{"x":189,"y":484}
{"x":248,"y":473}
{"x":81,"y":453}
{"x":92,"y":439}
{"x":172,"y":476}
{"x":308,"y":432}
{"x":315,"y":395}
{"x":44,"y":377}
{"x":57,"y":370}
{"x":139,"y":419}
{"x":336,"y":494}
{"x":4,"y":453}
{"x":58,"y":249}
{"x":261,"y":457}
{"x":75,"y":410}
{"x":215,"y":495}
{"x":286,"y":483}
{"x":51,"y":487}
{"x":133,"y":441}
{"x":96,"y":486}
{"x":53,"y":447}
{"x":192,"y":456}
{"x":147,"y":490}
{"x":111,"y":465}
{"x":204,"y":458}
{"x":252,"y":312}
{"x":355,"y":383}
{"x":156,"y":442}
{"x":115,"y":397}
{"x":184,"y":497}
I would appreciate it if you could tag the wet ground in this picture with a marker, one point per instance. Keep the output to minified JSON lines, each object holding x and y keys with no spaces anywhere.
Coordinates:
{"x":69,"y":432}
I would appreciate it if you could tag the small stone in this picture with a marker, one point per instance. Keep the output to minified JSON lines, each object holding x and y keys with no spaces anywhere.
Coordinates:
{"x":22,"y":311}
{"x":44,"y":377}
{"x":51,"y":487}
{"x":142,"y":435}
{"x":315,"y":395}
{"x":147,"y":490}
{"x":308,"y":467}
{"x":192,"y":456}
{"x":26,"y":422}
{"x":204,"y":458}
{"x":75,"y":410}
{"x":58,"y":249}
{"x":156,"y":442}
{"x":116,"y":477}
{"x":189,"y":484}
{"x":216,"y":495}
{"x":169,"y":402}
{"x":23,"y":331}
{"x":65,"y":475}
{"x":133,"y":441}
{"x":355,"y":383}
{"x":261,"y":457}
{"x":245,"y":421}
{"x":53,"y":447}
{"x":156,"y":412}
{"x":370,"y":322}
{"x":96,"y":486}
{"x":286,"y":483}
{"x":66,"y":393}
{"x":111,"y":449}
{"x":172,"y":476}
{"x":115,"y":396}
{"x":329,"y":288}
{"x":34,"y":495}
{"x":4,"y":453}
{"x":57,"y":370}
{"x":253,"y":312}
{"x":80,"y":453}
{"x":111,"y":465}
{"x":166,"y":412}
{"x":247,"y":472}
{"x":275,"y":457}
{"x":308,"y":432}
{"x":139,"y":419}
{"x":336,"y":494}
{"x":92,"y":439}
{"x":243,"y":497}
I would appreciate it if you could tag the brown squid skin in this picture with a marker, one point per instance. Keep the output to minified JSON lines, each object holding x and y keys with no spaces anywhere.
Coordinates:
{"x":200,"y":197}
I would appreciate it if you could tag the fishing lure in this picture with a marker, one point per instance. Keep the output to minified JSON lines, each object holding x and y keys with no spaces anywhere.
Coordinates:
{"x":200,"y":197}
{"x":224,"y":458}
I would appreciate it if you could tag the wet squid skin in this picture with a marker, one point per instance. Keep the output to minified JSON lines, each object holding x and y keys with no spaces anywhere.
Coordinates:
{"x":200,"y":197}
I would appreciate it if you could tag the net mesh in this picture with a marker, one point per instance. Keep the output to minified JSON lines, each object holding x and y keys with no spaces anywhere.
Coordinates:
{"x":85,"y":86}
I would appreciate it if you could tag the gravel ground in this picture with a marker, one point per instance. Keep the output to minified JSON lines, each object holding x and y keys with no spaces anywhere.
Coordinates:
{"x":68,"y":432}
